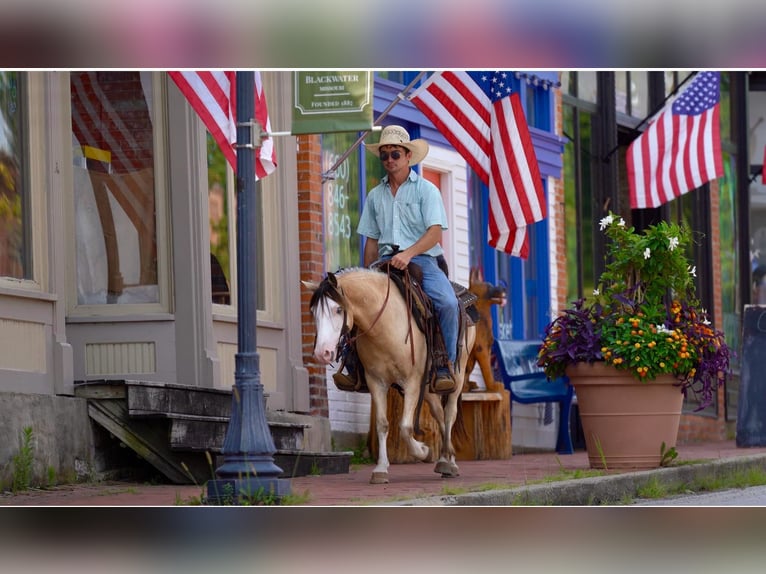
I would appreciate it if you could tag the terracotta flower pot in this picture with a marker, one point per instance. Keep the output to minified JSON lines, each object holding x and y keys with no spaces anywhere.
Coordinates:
{"x":625,"y":421}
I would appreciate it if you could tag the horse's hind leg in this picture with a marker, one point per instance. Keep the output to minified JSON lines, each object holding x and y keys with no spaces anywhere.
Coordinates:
{"x":446,"y":465}
{"x":417,"y":448}
{"x":379,"y":393}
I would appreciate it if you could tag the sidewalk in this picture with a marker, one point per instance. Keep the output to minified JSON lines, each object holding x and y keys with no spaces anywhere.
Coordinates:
{"x":409,"y":483}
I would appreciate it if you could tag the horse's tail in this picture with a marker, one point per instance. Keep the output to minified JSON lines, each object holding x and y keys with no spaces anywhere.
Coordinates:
{"x":459,"y":431}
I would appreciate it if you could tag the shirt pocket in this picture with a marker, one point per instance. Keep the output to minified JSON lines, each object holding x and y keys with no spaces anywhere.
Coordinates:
{"x":410,"y":216}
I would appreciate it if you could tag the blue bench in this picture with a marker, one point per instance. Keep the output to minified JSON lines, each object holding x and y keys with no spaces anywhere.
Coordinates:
{"x":528,"y":384}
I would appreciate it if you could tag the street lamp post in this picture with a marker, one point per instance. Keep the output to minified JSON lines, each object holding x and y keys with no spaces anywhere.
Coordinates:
{"x":248,"y":449}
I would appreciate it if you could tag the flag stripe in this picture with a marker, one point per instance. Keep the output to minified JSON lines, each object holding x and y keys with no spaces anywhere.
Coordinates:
{"x":491,"y":134}
{"x":681,"y":148}
{"x":212,"y":95}
{"x":455,"y":109}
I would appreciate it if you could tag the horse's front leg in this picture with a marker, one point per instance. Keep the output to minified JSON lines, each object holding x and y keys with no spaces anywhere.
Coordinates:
{"x":379,"y":393}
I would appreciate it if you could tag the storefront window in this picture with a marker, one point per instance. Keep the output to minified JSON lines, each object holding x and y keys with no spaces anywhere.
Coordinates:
{"x":114,"y":187}
{"x":342,"y":196}
{"x":15,"y":248}
{"x":222,"y":203}
{"x":219,"y":203}
{"x":578,"y":201}
{"x":632,"y":93}
{"x":757,"y":104}
{"x":587,"y":87}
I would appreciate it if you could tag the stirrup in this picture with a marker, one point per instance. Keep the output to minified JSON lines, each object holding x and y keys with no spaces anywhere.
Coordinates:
{"x":345,"y":382}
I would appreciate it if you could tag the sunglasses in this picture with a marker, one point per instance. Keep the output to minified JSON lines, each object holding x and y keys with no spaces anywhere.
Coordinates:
{"x":396,"y":154}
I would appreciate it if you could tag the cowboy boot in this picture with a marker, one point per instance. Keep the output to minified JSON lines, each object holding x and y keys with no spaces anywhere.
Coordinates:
{"x":444,"y":381}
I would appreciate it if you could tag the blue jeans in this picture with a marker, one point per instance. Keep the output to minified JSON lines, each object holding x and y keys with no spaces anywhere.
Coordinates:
{"x":439,"y":288}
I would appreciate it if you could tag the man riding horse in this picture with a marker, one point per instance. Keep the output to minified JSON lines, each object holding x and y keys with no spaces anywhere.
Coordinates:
{"x":403,"y":219}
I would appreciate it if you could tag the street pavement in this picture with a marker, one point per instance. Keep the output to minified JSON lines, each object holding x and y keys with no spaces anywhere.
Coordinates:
{"x":750,"y":496}
{"x":535,"y":478}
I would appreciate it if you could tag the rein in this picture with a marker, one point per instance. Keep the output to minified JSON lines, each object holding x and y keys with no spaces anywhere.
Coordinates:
{"x":359,"y":333}
{"x":352,"y":339}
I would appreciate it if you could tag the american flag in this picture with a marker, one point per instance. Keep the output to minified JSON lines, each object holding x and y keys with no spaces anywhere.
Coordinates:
{"x":681,"y":148}
{"x":212,"y":94}
{"x":482,"y":118}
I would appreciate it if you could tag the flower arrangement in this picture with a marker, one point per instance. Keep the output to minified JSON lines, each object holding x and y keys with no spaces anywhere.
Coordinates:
{"x":644,"y":315}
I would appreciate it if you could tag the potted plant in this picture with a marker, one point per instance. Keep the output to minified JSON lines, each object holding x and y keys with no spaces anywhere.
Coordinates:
{"x":643,"y":331}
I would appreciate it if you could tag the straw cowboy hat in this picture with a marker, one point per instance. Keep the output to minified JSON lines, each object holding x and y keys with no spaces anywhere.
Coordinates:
{"x":397,"y":135}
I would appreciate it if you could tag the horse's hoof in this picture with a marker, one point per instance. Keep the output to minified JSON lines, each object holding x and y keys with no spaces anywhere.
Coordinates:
{"x":447,"y":469}
{"x":379,"y":478}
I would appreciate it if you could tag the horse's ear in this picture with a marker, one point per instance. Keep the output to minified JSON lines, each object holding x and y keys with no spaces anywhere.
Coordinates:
{"x":331,"y":278}
{"x":310,"y":285}
{"x":475,"y":275}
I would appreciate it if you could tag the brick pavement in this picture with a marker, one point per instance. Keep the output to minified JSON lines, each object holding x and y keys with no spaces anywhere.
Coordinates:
{"x":407,"y":481}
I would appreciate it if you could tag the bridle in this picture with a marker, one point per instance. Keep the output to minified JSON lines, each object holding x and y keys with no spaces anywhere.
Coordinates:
{"x":331,"y":289}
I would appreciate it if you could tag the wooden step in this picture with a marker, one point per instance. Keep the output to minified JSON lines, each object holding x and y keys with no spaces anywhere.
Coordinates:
{"x":198,"y":417}
{"x":198,"y":433}
{"x":148,"y":439}
{"x":296,"y":463}
{"x":302,"y":463}
{"x":180,"y":430}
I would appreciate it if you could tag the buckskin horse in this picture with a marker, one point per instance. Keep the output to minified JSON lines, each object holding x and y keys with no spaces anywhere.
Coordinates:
{"x":392,"y":350}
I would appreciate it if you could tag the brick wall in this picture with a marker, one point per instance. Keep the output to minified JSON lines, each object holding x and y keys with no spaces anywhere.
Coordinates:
{"x":557,"y":224}
{"x":311,"y":259}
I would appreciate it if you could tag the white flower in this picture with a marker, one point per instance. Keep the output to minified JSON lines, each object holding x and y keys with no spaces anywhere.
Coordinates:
{"x":596,"y":292}
{"x":673,"y":243}
{"x":647,"y":253}
{"x":662,"y":329}
{"x":621,"y":223}
{"x":692,"y":270}
{"x":705,"y":321}
{"x":606,"y":222}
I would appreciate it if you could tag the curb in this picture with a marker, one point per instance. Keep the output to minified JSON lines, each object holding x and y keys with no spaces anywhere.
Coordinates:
{"x":595,"y":491}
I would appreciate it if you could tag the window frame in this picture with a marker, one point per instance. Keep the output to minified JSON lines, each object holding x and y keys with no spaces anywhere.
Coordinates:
{"x":33,"y":87}
{"x":77,"y":312}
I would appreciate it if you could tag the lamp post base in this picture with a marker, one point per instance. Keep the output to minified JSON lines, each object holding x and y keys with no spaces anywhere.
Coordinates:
{"x":246,"y":489}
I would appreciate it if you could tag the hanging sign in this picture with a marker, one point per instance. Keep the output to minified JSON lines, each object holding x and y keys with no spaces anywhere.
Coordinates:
{"x":332,"y":101}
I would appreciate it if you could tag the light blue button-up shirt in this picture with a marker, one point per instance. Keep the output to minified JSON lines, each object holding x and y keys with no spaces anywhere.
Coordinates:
{"x":402,"y":219}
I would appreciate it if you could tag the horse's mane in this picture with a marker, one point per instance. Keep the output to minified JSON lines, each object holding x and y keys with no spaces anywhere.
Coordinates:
{"x":327,"y":290}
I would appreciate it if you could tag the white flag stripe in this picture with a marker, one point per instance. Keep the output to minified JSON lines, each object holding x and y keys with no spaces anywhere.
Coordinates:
{"x":222,"y":117}
{"x":667,"y":159}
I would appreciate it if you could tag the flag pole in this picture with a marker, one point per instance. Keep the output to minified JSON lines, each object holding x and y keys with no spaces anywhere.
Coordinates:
{"x":330,"y":173}
{"x":248,"y":471}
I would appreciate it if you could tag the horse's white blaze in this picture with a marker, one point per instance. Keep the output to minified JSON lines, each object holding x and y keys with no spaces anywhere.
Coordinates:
{"x":329,"y":324}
